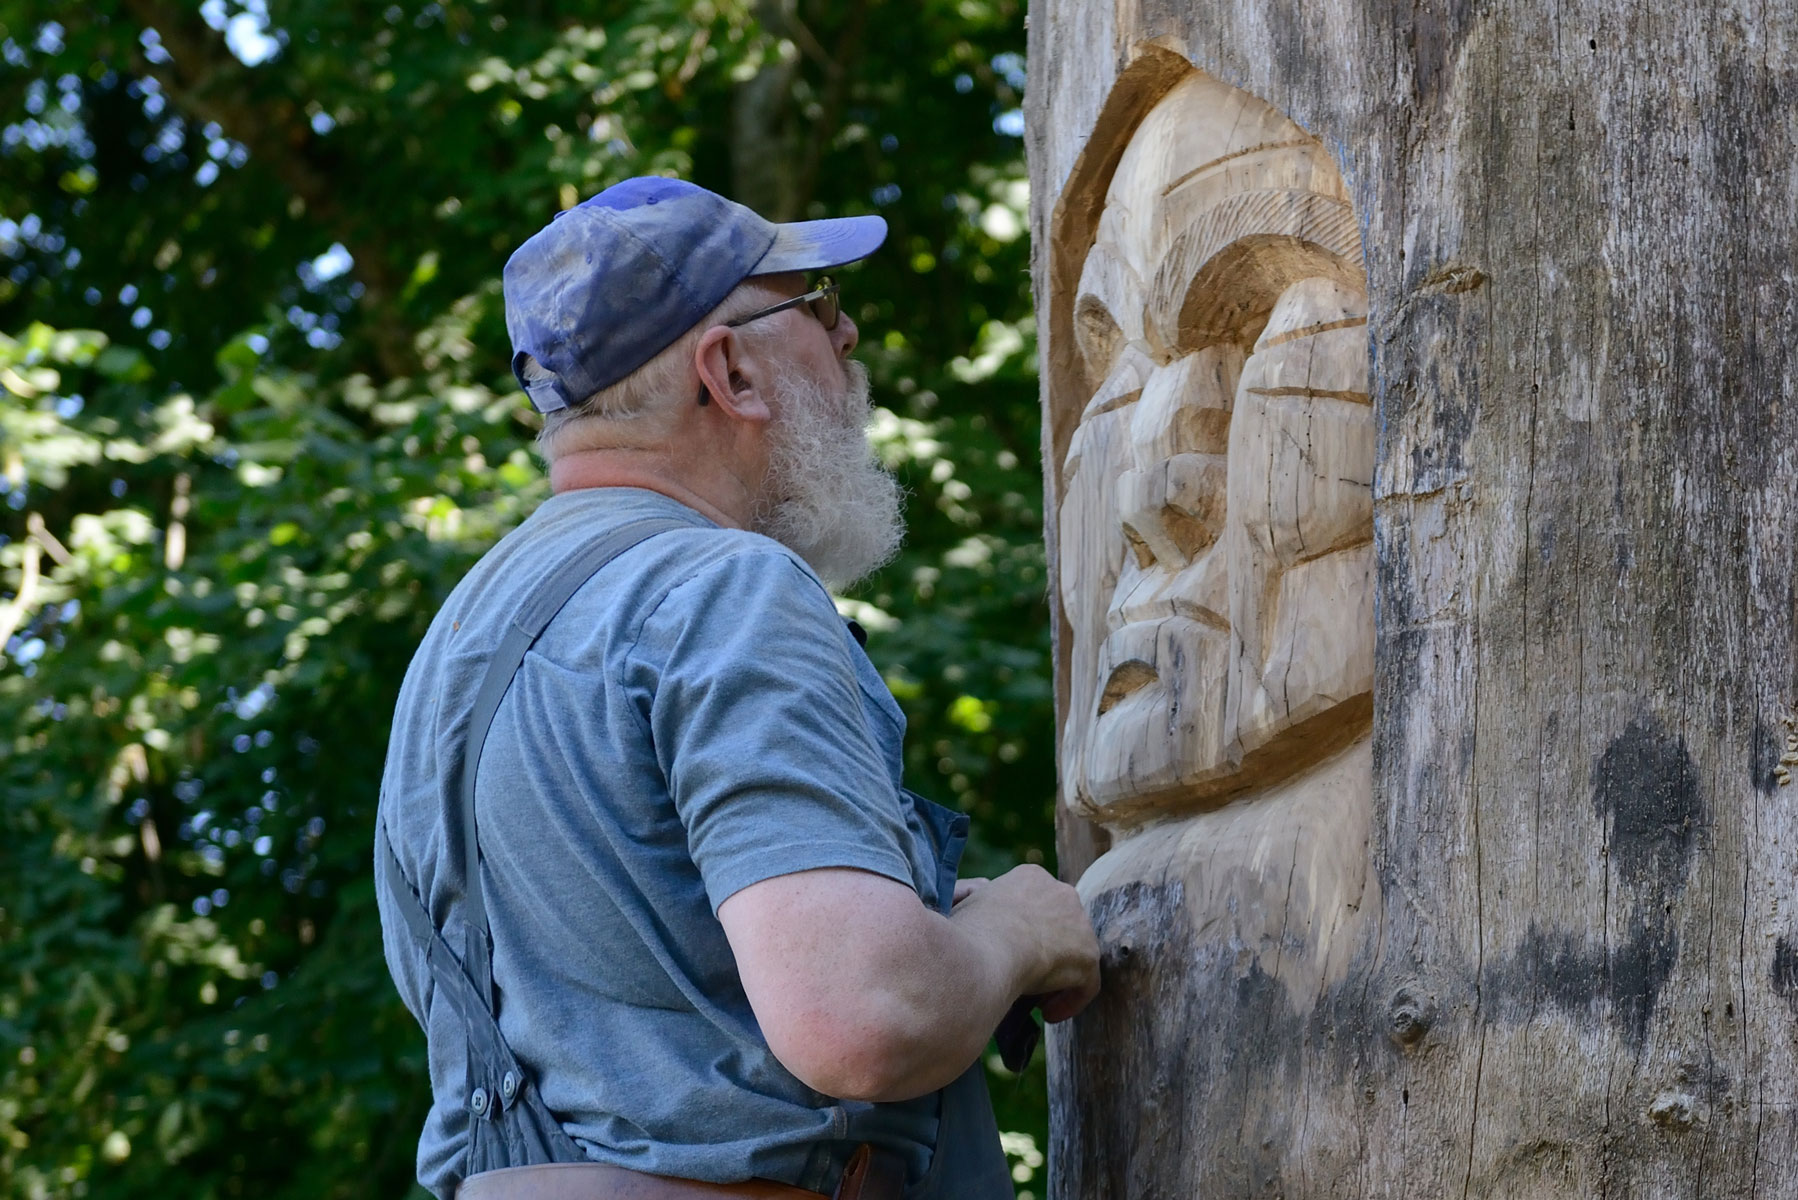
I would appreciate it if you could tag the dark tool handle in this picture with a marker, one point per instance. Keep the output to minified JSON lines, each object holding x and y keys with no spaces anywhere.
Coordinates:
{"x":1018,"y":1034}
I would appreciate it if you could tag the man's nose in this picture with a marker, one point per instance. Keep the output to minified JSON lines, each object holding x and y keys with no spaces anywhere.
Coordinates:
{"x":845,"y":335}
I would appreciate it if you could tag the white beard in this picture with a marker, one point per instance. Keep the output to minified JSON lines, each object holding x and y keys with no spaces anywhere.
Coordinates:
{"x":826,"y":497}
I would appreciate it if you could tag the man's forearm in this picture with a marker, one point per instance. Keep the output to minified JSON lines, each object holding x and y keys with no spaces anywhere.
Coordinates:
{"x":864,"y":993}
{"x":933,"y":1007}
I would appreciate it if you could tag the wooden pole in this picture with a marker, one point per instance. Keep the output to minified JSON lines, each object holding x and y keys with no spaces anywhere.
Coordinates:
{"x":1474,"y":873}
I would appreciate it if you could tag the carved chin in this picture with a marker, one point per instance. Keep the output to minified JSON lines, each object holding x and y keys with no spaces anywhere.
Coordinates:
{"x":1174,"y":726}
{"x":1160,"y":731}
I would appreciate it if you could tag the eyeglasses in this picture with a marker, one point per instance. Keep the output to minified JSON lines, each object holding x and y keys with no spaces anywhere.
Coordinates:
{"x":822,"y":300}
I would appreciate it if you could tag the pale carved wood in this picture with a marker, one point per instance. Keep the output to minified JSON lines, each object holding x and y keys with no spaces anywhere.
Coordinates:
{"x":1214,"y":537}
{"x":1215,"y":528}
{"x":1420,"y":442}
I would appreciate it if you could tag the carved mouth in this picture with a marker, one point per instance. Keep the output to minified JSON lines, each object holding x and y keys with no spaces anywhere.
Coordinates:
{"x":1126,"y":679}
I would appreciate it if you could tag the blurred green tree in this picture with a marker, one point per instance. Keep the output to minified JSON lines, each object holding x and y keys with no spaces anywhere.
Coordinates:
{"x":255,"y":421}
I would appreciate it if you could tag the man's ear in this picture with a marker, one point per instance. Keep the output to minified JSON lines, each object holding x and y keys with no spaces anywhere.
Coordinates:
{"x":730,"y":376}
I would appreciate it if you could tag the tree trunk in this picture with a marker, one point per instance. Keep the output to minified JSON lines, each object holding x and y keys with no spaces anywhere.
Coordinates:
{"x":1420,"y":455}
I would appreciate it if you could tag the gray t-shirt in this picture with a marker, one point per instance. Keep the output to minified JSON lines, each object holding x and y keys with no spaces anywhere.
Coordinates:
{"x":697,"y":719}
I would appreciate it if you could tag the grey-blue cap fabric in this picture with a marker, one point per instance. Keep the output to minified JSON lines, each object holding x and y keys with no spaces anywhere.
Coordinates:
{"x":611,"y":282}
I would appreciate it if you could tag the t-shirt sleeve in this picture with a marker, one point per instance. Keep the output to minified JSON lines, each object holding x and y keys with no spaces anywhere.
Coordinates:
{"x":762,"y":731}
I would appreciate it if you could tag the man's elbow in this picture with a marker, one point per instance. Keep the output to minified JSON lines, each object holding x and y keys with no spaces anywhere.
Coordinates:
{"x":866,"y":1055}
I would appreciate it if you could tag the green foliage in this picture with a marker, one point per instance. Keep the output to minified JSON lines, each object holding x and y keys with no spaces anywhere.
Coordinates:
{"x":255,"y":421}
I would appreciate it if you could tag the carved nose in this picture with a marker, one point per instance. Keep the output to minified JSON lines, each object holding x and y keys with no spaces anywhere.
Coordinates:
{"x":1172,"y":511}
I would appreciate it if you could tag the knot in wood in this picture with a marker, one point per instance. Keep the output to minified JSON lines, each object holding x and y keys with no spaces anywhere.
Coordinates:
{"x":1117,"y":954}
{"x":1412,"y":1014}
{"x":1675,"y":1110}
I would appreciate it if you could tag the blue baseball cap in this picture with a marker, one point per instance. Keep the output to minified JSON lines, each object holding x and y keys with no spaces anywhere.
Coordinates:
{"x":610,"y":283}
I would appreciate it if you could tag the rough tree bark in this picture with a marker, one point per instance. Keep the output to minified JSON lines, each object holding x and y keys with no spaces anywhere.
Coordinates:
{"x":1557,"y":954}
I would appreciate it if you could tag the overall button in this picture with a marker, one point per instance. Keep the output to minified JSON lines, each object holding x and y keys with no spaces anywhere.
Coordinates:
{"x":508,"y":1087}
{"x":478,"y":1102}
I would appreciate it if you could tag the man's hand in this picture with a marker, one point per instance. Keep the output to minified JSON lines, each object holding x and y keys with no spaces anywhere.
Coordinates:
{"x":1069,"y":950}
{"x":864,"y":993}
{"x":967,"y":887}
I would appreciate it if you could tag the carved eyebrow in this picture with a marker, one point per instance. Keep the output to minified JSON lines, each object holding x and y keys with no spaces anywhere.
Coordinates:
{"x":1351,"y":397}
{"x":1280,"y":339}
{"x":1202,"y":168}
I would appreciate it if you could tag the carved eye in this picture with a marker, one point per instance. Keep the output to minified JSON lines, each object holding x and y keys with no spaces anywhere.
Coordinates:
{"x":1099,"y":337}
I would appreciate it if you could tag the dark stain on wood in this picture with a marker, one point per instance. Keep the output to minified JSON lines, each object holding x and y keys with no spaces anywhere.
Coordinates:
{"x":1637,"y":969}
{"x":1554,"y":969}
{"x":1433,"y":37}
{"x":1138,"y":1039}
{"x":1763,"y":757}
{"x":1399,"y":639}
{"x":1646,"y":788}
{"x":1785,"y":971}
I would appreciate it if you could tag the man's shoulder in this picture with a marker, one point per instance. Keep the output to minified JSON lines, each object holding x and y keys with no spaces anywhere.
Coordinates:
{"x":520,"y":564}
{"x":671,"y":557}
{"x":695,"y":573}
{"x":736,"y":567}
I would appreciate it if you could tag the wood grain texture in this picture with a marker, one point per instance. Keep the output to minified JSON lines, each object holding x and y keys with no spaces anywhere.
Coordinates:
{"x":1214,"y":536}
{"x":1571,"y":965}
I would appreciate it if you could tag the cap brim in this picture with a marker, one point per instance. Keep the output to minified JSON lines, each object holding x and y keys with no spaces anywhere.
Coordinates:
{"x":819,"y":245}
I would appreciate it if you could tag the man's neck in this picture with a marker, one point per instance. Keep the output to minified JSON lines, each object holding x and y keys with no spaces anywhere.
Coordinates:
{"x":718,"y":495}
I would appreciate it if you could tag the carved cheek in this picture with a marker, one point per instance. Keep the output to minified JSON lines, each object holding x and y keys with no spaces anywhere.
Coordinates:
{"x":1301,"y":480}
{"x":1092,"y":556}
{"x":1254,"y":441}
{"x":1322,"y":636}
{"x":1305,"y":483}
{"x":1301,"y":513}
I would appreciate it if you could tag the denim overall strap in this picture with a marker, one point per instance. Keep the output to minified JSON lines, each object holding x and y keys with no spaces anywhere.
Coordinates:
{"x":969,"y":1163}
{"x":523,"y":633}
{"x":509,"y":1123}
{"x":510,"y":1126}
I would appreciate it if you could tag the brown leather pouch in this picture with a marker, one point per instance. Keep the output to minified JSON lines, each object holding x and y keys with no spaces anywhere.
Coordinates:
{"x":599,"y":1181}
{"x":871,"y":1175}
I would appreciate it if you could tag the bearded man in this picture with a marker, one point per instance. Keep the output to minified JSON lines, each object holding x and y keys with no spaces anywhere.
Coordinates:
{"x":685,"y":933}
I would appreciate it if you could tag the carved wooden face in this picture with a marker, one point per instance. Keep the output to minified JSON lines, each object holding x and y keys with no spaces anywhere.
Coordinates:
{"x":1216,"y":522}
